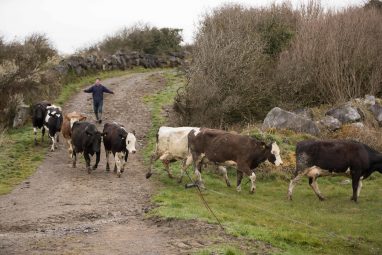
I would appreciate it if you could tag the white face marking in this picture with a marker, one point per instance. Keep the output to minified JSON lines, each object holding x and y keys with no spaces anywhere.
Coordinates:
{"x":47,"y":118}
{"x":197,"y":131}
{"x":276,"y":151}
{"x":130,"y":143}
{"x":58,"y":115}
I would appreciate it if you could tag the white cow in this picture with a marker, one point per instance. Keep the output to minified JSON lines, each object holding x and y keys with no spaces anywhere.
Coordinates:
{"x":171,"y":146}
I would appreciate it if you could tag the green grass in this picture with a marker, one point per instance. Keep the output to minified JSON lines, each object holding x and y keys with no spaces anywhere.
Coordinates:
{"x":19,"y":158}
{"x":302,"y":226}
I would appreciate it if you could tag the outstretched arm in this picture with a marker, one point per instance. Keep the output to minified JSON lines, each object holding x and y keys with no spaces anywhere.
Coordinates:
{"x":89,"y":90}
{"x":106,"y":90}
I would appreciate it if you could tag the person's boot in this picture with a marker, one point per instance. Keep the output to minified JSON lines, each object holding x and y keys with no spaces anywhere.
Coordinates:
{"x":97,"y":119}
{"x":100,"y":118}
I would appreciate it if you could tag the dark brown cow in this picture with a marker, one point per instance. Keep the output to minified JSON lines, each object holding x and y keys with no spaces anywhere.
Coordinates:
{"x":225,"y":148}
{"x":333,"y":157}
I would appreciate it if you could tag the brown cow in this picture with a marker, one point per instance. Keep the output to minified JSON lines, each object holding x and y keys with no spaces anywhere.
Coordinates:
{"x":224,"y":148}
{"x":69,"y":120}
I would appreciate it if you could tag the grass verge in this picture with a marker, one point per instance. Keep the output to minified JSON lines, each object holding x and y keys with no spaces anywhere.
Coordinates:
{"x":303,"y":226}
{"x":19,"y":158}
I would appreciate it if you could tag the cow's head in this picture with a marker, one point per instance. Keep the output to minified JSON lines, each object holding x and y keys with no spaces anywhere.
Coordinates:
{"x":130,"y":142}
{"x":73,"y":117}
{"x":54,"y":116}
{"x":94,"y":138}
{"x":273,"y":154}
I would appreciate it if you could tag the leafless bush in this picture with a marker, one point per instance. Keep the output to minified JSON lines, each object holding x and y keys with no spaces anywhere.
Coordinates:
{"x":333,"y":58}
{"x":23,"y":73}
{"x":232,"y":60}
{"x":246,"y":61}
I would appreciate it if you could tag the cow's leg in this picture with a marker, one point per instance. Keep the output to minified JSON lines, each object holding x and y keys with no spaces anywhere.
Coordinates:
{"x":355,"y":184}
{"x":239,"y":176}
{"x":56,"y":140}
{"x":223,"y":171}
{"x":186,"y":163}
{"x":359,"y":187}
{"x":87,"y":160}
{"x":35,"y":135}
{"x":124,"y":160}
{"x":154,"y":157}
{"x":293,"y":183}
{"x":42,"y":134}
{"x":314,"y":185}
{"x":53,"y":142}
{"x":166,"y":164}
{"x":252,"y":177}
{"x":70,"y":147}
{"x":74,"y":159}
{"x":107,"y":160}
{"x":118,"y":163}
{"x":98,"y":156}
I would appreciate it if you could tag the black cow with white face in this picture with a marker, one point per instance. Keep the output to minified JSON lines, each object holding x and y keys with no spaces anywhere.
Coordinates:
{"x":335,"y":157}
{"x":53,"y":122}
{"x":38,"y":117}
{"x":120,"y":142}
{"x":86,"y":139}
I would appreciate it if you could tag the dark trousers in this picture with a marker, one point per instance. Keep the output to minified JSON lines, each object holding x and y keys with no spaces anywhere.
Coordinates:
{"x":97,"y":107}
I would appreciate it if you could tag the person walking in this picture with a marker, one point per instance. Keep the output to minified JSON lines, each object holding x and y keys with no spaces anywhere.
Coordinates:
{"x":97,"y":90}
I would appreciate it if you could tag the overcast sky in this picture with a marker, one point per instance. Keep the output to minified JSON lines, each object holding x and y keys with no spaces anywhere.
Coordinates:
{"x":71,"y":24}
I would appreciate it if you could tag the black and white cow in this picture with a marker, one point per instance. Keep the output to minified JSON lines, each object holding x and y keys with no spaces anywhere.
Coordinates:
{"x":119,"y":142}
{"x":38,"y":117}
{"x":335,"y":157}
{"x":86,"y":139}
{"x":52,"y":123}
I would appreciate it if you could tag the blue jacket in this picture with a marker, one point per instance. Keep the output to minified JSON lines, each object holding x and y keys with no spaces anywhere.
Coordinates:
{"x":98,"y":91}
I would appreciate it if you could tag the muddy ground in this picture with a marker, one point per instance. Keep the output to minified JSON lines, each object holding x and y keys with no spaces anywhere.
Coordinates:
{"x":64,"y":210}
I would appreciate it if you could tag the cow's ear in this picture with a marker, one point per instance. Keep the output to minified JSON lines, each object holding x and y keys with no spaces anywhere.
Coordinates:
{"x":66,"y":117}
{"x":83,"y":117}
{"x":133,"y":132}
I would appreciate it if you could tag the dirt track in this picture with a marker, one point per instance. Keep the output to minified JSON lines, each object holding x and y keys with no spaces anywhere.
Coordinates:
{"x":63,"y":210}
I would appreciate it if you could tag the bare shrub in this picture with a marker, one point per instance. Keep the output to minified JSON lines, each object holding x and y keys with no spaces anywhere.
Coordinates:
{"x":24,"y":73}
{"x":334,"y":57}
{"x":228,"y":80}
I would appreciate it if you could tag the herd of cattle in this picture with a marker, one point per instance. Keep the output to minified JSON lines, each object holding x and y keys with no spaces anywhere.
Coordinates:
{"x":201,"y":146}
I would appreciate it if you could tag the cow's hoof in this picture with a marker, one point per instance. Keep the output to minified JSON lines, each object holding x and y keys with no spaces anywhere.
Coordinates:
{"x":89,"y":170}
{"x":148,"y":175}
{"x":179,"y":181}
{"x":321,"y":198}
{"x":189,"y":185}
{"x":35,"y":142}
{"x":119,"y":175}
{"x":252,"y":191}
{"x":353,"y":199}
{"x":228,"y":184}
{"x":94,"y":167}
{"x":238,"y":189}
{"x":170,"y":176}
